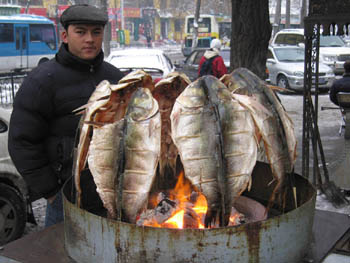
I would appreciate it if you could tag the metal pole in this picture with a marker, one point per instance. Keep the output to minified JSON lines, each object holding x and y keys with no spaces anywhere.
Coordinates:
{"x":195,"y":24}
{"x":27,"y":6}
{"x":122,"y":14}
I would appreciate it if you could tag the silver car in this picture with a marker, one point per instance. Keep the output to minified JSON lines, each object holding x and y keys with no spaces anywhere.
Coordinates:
{"x":333,"y":49}
{"x":152,"y":61}
{"x":285,"y":66}
{"x":13,"y":190}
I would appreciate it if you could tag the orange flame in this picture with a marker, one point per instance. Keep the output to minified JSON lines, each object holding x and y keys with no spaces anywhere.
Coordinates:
{"x":182,"y":194}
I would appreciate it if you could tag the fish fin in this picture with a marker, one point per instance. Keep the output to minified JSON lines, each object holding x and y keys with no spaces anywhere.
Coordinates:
{"x":250,"y":103}
{"x":279,"y":88}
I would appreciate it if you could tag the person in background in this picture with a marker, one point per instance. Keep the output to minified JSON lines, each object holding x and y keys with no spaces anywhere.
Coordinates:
{"x":341,"y":85}
{"x":148,"y":33}
{"x":211,"y":62}
{"x":43,"y":126}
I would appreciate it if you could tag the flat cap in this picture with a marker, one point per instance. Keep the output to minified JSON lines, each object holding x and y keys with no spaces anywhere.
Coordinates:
{"x":83,"y":14}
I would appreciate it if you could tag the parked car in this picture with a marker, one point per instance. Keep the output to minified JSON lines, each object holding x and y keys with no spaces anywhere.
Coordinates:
{"x":153,"y":61}
{"x":333,"y":49}
{"x":14,"y":204}
{"x":285,"y":66}
{"x":191,"y":63}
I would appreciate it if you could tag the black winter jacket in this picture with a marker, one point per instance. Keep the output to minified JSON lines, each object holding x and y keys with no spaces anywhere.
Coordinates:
{"x":42,"y":125}
{"x":340,"y":85}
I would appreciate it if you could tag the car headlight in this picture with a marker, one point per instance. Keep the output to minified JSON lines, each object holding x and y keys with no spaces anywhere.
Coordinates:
{"x":298,"y":73}
{"x":329,"y":58}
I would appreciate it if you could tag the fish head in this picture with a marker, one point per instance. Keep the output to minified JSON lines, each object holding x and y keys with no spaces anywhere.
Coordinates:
{"x":198,"y":92}
{"x":142,"y":105}
{"x":168,"y":89}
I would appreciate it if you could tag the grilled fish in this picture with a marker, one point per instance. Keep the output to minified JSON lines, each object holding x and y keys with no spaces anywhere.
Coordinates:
{"x":166,"y":91}
{"x":99,"y":134}
{"x":141,"y":150}
{"x":275,"y":127}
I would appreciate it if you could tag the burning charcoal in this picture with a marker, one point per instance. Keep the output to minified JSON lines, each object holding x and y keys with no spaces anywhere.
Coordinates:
{"x":191,"y":218}
{"x":194,"y":196}
{"x":236,"y":218}
{"x":160,"y":197}
{"x":147,"y":218}
{"x":164,"y":210}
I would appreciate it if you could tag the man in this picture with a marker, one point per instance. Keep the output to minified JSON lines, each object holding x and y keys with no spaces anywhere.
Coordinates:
{"x":341,"y":85}
{"x":211,"y":62}
{"x":42,"y":125}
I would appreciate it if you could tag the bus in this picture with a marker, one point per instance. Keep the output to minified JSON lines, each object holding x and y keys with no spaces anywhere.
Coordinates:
{"x":6,"y":10}
{"x":26,"y":41}
{"x":224,"y":30}
{"x":208,"y":28}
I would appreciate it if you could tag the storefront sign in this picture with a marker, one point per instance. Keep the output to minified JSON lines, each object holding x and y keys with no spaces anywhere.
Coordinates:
{"x":149,"y":12}
{"x":129,"y":12}
{"x":39,"y":11}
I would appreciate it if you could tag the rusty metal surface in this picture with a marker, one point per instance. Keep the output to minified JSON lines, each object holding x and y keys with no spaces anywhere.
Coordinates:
{"x":332,"y":224}
{"x":44,"y":246}
{"x":282,"y":238}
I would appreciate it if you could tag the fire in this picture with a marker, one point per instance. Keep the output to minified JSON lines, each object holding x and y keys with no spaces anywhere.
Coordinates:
{"x":182,"y":193}
{"x":191,"y":207}
{"x":176,"y":221}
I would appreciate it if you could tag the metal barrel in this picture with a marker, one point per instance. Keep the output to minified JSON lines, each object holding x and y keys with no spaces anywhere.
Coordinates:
{"x":284,"y":237}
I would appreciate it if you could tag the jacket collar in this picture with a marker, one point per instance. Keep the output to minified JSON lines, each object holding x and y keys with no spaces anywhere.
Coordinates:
{"x":211,"y":53}
{"x":66,"y":58}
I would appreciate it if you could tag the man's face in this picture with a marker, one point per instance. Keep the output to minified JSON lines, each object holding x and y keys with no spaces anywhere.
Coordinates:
{"x":84,"y":41}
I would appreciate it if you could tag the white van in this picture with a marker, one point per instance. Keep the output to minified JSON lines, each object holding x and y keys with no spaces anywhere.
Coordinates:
{"x":333,"y":50}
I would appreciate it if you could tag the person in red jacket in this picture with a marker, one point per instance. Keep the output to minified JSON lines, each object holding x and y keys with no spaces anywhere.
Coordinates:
{"x":211,"y":62}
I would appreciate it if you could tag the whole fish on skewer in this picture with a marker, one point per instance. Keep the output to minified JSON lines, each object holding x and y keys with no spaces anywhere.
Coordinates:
{"x":165,"y":92}
{"x":99,"y":135}
{"x":275,"y":126}
{"x":140,"y":151}
{"x":216,"y":140}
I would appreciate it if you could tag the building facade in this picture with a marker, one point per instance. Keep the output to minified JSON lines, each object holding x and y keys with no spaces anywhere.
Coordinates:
{"x":161,"y":20}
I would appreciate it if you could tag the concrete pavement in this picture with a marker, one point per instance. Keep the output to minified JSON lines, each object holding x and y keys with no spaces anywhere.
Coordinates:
{"x":336,"y":148}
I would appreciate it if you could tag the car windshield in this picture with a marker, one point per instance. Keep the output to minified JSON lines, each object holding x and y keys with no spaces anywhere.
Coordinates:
{"x":290,"y":54}
{"x":137,"y":61}
{"x":331,"y":41}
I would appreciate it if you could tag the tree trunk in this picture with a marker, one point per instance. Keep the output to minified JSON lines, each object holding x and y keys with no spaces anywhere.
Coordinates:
{"x":303,"y":12}
{"x":251,"y":32}
{"x":277,"y":19}
{"x":287,"y":25}
{"x":195,"y":24}
{"x":107,"y":31}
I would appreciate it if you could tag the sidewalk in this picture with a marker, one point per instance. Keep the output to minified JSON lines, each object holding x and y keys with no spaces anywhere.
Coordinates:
{"x":335,"y":147}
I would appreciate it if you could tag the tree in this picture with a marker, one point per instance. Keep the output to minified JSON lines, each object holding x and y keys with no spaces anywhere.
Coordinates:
{"x":251,"y":32}
{"x":107,"y":35}
{"x":195,"y":24}
{"x":277,"y":20}
{"x":303,"y":12}
{"x":287,"y":14}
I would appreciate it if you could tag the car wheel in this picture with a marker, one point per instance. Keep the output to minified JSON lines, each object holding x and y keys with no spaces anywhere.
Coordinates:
{"x":12,"y":214}
{"x":283,"y":82}
{"x":42,"y":61}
